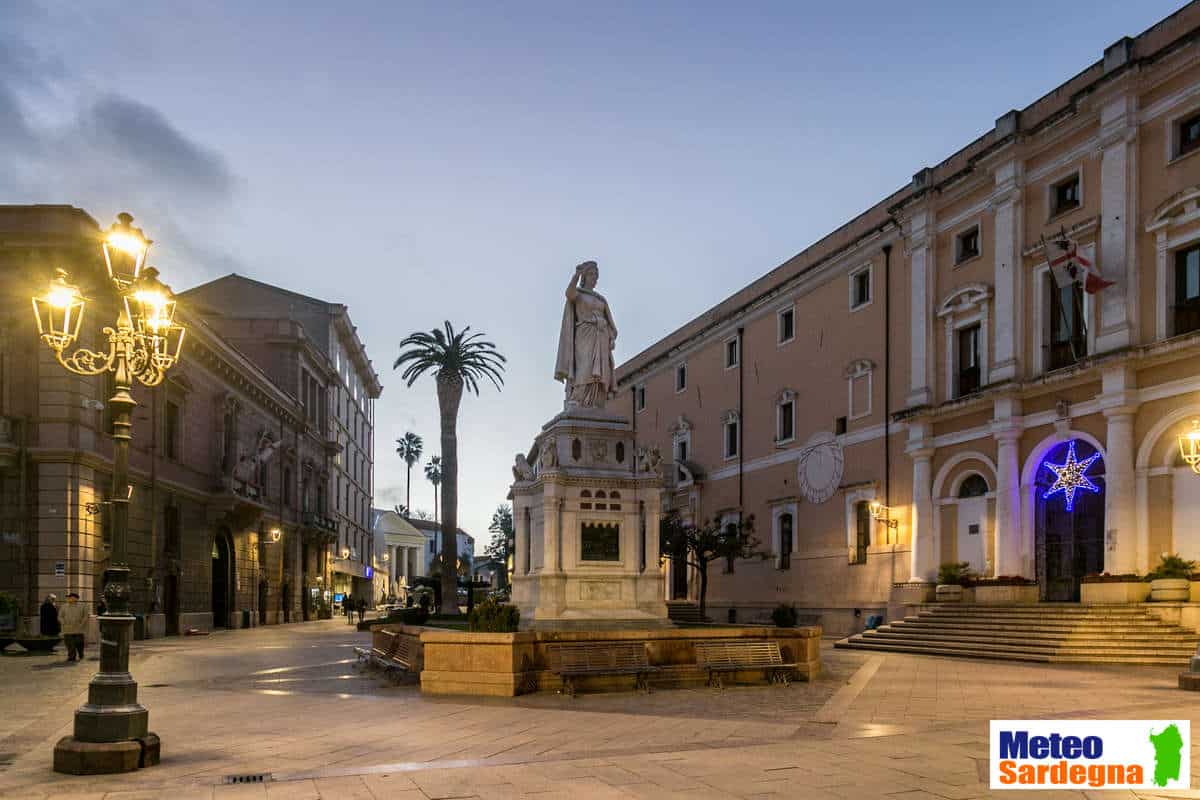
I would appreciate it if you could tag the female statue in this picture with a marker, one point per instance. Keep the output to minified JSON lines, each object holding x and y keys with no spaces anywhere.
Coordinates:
{"x":585,"y":342}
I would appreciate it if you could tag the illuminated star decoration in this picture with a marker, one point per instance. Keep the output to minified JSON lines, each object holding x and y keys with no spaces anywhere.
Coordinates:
{"x":1069,"y":476}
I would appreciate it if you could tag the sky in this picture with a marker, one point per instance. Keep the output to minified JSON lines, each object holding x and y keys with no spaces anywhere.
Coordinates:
{"x":454,"y":161}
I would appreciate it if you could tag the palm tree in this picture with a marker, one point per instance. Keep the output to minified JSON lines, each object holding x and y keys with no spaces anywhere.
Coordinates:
{"x":433,"y":474}
{"x":409,"y":448}
{"x":458,"y":361}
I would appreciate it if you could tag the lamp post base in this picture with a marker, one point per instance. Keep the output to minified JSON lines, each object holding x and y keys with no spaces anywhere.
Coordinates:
{"x":1189,"y":681}
{"x":76,"y":757}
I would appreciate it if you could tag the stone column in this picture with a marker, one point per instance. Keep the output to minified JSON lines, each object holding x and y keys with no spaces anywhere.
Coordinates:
{"x":521,"y":529}
{"x":925,"y":547}
{"x":1120,"y":536}
{"x":1007,"y":270}
{"x":1008,"y":502}
{"x":1118,"y":303}
{"x":919,"y":392}
{"x":551,"y":562}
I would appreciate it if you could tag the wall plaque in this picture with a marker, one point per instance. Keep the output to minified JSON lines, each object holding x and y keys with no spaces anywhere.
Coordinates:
{"x":600,"y":541}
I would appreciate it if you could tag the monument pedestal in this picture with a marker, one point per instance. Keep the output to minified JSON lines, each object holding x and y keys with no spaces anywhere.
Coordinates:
{"x":586,"y":520}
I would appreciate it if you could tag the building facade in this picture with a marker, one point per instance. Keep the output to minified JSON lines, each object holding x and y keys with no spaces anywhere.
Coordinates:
{"x":312,"y":347}
{"x":432,"y":532}
{"x":401,"y":549}
{"x":906,"y":391}
{"x":217,"y":533}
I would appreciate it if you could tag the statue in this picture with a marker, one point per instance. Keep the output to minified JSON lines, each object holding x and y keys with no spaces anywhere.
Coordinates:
{"x":549,"y":454}
{"x":585,"y":342}
{"x":650,"y":460}
{"x":522,"y":469}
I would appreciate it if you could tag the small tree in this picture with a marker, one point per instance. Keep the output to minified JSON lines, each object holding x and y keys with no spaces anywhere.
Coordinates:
{"x":409,"y":448}
{"x":433,"y":474}
{"x":700,"y":545}
{"x":501,"y":545}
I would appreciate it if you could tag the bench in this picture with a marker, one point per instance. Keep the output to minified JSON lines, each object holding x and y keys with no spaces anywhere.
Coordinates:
{"x":583,"y":660}
{"x":734,"y":655}
{"x":395,"y":657}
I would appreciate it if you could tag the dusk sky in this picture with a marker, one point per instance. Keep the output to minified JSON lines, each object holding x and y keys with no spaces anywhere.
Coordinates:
{"x":423,"y":162}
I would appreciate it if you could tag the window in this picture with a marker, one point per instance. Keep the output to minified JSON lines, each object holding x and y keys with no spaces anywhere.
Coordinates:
{"x":731,"y":353}
{"x":1187,"y":290}
{"x":1187,"y":134}
{"x":170,"y":447}
{"x":786,"y":424}
{"x":968,"y":360}
{"x":639,"y":398}
{"x":1064,"y":195}
{"x":731,"y":533}
{"x":966,"y":245}
{"x":731,"y":437}
{"x":172,"y":541}
{"x":859,"y":388}
{"x":1068,"y":338}
{"x":973,"y":485}
{"x":787,"y":325}
{"x":785,"y":541}
{"x":862,"y":540}
{"x":839,"y":426}
{"x":681,"y":377}
{"x":860,"y":288}
{"x":681,"y":454}
{"x":287,"y":486}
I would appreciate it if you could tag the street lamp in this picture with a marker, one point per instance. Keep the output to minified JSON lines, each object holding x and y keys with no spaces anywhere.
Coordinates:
{"x":111,"y":728}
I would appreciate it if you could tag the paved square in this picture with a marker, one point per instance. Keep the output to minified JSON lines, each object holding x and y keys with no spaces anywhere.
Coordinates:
{"x":287,"y":701}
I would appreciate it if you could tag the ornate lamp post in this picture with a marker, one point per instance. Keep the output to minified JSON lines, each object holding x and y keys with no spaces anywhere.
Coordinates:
{"x":111,"y":733}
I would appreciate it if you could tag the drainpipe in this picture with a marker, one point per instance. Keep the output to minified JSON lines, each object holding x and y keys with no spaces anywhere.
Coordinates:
{"x":633,"y":417}
{"x":887,"y":379}
{"x":741,"y":417}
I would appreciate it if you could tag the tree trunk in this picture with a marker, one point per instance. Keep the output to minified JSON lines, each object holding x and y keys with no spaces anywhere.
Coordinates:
{"x":408,"y":492}
{"x":449,"y":391}
{"x":703,"y":570}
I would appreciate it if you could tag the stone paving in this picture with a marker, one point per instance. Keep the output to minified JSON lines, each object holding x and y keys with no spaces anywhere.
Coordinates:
{"x":287,"y":701}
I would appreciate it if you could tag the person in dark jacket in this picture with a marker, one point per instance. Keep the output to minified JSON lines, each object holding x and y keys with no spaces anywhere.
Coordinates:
{"x":362,"y":608}
{"x":49,"y":617}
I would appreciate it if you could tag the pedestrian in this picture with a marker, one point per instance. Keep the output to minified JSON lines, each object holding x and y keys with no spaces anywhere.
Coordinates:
{"x":101,"y":607}
{"x":73,"y":619}
{"x":49,"y":616}
{"x":348,"y":607}
{"x":362,"y":608}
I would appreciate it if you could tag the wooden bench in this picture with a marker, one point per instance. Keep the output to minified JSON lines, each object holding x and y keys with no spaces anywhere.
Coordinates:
{"x":575,"y":661}
{"x":732,"y":655}
{"x":395,"y":657}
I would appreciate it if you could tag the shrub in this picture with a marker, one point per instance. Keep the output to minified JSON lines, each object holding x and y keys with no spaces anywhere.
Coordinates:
{"x":8,"y":604}
{"x":1172,"y":566}
{"x":784,"y":616}
{"x":416,"y":615}
{"x":492,"y":617}
{"x":955,"y":573}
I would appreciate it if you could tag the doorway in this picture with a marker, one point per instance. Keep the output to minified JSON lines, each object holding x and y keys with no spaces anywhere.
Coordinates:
{"x":222,"y":579}
{"x":1069,"y":524}
{"x":171,"y":604}
{"x":679,"y":578}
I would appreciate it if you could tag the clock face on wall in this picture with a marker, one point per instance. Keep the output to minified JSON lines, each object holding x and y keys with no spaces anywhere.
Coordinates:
{"x":820,"y":467}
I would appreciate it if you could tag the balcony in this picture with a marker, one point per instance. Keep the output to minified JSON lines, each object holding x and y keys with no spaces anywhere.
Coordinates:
{"x":311,"y":519}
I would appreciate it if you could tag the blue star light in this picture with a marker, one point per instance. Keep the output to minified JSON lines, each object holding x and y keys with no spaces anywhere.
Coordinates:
{"x":1069,"y":476}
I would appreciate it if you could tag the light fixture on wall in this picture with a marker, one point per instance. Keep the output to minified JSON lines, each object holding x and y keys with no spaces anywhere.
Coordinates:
{"x":883,"y":514}
{"x":1189,"y":447}
{"x":276,"y":534}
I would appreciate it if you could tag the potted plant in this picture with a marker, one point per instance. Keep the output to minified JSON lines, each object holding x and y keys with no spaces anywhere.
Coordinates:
{"x":952,"y":577}
{"x":784,"y":616}
{"x":1171,"y":579}
{"x":8,"y":619}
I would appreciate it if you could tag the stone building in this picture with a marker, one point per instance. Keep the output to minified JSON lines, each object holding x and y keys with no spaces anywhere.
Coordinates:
{"x":922,"y":358}
{"x":403,"y":545}
{"x":311,"y":347}
{"x":229,"y":469}
{"x":432,"y":531}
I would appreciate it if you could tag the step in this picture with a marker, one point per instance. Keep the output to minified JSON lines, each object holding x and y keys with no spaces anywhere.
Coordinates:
{"x":1060,"y":630}
{"x":1053,"y":649}
{"x":856,"y":643}
{"x":1141,"y":642}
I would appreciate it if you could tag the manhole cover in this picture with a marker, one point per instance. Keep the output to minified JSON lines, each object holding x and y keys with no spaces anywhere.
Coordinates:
{"x":258,"y":777}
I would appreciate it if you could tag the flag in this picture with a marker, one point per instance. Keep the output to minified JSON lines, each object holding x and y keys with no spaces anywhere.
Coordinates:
{"x":1069,"y":266}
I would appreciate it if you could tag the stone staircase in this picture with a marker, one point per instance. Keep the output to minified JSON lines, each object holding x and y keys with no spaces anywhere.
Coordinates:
{"x":1117,"y":634}
{"x":684,"y":613}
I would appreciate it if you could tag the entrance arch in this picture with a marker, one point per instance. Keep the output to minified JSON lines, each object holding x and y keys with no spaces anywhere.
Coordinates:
{"x":1068,"y":489}
{"x":222,"y":578}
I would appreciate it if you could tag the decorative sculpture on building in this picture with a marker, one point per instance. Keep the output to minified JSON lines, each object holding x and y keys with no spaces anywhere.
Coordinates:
{"x":549,"y":454}
{"x":522,"y":470}
{"x":245,"y":473}
{"x":649,"y":459}
{"x":585,"y":342}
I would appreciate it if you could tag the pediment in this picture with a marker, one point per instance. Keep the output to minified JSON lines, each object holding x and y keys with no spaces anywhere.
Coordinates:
{"x":965,"y":298}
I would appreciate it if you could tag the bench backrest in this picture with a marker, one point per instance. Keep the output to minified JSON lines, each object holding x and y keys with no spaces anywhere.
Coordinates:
{"x":735,"y":652}
{"x":405,"y":650}
{"x":601,"y":656}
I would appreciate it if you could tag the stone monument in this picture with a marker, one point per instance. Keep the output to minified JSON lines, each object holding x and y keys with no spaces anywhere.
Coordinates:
{"x":586,"y":502}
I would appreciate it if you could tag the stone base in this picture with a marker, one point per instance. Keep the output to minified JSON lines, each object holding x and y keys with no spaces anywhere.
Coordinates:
{"x":73,"y":757}
{"x":1189,"y":681}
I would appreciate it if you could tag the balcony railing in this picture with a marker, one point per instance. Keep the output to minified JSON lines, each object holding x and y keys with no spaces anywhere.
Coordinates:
{"x":1063,"y":354}
{"x":311,"y":519}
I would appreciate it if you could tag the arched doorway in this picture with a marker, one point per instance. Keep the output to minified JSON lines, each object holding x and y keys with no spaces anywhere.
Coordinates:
{"x":1069,"y":519}
{"x":171,"y":603}
{"x":222,"y":579}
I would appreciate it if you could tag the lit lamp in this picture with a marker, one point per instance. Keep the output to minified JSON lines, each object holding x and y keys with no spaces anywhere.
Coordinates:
{"x":1189,"y":447}
{"x":881,"y":513}
{"x":345,"y":552}
{"x":276,"y":534}
{"x":111,"y":730}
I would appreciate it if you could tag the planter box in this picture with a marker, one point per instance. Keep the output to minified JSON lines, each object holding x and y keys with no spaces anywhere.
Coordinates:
{"x":40,"y":644}
{"x":1194,"y":596}
{"x":949,"y":593}
{"x":1006,"y":594}
{"x":1170,"y":589}
{"x":1109,"y":592}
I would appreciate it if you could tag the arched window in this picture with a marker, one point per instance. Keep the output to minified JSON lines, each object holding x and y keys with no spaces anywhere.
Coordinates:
{"x":576,"y":449}
{"x":973,"y":485}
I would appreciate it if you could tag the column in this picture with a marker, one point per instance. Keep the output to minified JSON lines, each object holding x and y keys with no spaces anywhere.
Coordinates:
{"x":921,"y":261}
{"x":925,"y":548}
{"x":1008,"y":502}
{"x":1120,"y":536}
{"x":1007,"y":267}
{"x":1118,"y":303}
{"x":550,"y":535}
{"x":521,"y":529}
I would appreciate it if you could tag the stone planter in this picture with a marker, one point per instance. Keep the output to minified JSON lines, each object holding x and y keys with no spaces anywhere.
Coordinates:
{"x":1170,"y":589}
{"x":1110,"y":592}
{"x":40,"y":644}
{"x":1006,"y":594}
{"x":948,"y":593}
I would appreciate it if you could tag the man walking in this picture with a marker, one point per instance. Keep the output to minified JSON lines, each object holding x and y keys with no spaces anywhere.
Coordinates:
{"x":73,"y":619}
{"x":48,"y":616}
